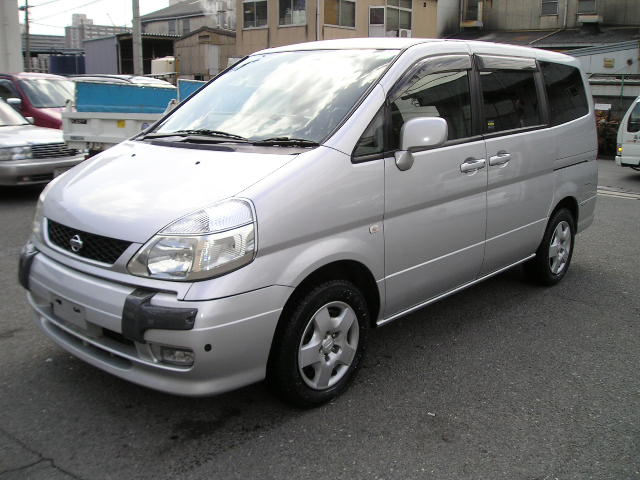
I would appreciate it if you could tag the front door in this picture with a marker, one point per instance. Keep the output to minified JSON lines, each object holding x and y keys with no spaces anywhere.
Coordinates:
{"x":435,"y":212}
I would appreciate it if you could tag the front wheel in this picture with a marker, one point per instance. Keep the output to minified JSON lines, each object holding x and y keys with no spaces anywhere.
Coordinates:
{"x":319,"y":345}
{"x":554,"y":254}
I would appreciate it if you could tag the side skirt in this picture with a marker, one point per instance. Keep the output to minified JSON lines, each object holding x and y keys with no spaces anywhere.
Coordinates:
{"x":384,"y":321}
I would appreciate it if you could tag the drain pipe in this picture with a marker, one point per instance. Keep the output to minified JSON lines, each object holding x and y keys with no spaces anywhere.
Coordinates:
{"x":318,"y":6}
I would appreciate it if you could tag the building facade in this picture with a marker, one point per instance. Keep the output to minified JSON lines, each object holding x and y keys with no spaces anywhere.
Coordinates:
{"x":272,"y":23}
{"x":82,"y":28}
{"x":548,"y":14}
{"x":182,"y":18}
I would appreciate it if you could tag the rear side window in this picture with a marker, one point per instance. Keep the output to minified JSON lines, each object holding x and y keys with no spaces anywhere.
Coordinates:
{"x":634,"y":120}
{"x":510,"y":100}
{"x":565,"y":92}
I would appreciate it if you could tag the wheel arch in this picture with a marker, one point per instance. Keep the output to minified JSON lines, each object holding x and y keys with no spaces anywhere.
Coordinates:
{"x":570,"y":203}
{"x":351,"y":270}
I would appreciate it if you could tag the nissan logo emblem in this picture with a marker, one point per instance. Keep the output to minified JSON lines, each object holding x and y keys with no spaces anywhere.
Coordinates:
{"x":76,"y":243}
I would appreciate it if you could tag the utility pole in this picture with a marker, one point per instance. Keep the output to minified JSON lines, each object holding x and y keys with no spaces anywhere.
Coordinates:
{"x":136,"y":40}
{"x":27,"y":40}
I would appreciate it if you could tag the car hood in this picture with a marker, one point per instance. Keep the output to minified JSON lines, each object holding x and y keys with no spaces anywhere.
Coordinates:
{"x":28,"y":134}
{"x":134,"y":189}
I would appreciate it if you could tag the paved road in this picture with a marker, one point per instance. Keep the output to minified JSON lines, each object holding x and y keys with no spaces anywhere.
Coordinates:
{"x":503,"y":381}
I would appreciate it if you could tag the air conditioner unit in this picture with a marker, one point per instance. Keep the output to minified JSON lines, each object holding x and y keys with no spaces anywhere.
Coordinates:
{"x":404,"y":33}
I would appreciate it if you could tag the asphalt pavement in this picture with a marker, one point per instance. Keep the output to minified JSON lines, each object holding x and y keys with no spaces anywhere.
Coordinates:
{"x":504,"y":380}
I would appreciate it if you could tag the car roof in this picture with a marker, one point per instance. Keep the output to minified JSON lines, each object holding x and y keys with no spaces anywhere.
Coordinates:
{"x":35,"y":75}
{"x":394,"y":43}
{"x":113,"y":78}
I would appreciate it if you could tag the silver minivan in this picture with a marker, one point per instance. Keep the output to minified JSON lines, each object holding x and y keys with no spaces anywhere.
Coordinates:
{"x":304,"y":196}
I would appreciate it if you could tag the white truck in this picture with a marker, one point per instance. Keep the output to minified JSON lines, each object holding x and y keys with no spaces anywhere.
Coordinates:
{"x":628,"y":149}
{"x":104,"y":114}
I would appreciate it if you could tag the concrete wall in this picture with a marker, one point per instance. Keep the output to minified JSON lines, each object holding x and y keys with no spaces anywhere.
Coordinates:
{"x":525,"y":14}
{"x":621,"y":59}
{"x":448,"y":15}
{"x":10,"y":45}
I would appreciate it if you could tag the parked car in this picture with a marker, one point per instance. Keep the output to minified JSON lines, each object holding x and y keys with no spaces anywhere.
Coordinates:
{"x":628,"y":148}
{"x":310,"y":193}
{"x":38,"y":95}
{"x":127,"y":79}
{"x":30,"y":154}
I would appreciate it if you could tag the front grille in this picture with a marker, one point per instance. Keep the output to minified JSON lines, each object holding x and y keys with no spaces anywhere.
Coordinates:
{"x":94,"y":247}
{"x":50,"y":150}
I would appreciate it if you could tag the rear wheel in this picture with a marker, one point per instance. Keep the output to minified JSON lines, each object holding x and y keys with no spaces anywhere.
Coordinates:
{"x":319,"y":345}
{"x":554,"y":254}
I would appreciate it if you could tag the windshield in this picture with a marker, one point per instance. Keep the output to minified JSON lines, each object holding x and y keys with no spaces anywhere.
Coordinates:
{"x":9,"y":117}
{"x":301,"y":95}
{"x":45,"y":93}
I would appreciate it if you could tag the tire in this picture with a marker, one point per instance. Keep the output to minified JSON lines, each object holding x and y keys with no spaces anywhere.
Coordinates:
{"x":554,"y":254}
{"x":319,"y":344}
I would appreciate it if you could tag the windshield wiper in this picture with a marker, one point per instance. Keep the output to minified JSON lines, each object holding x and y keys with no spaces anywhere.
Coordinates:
{"x":286,"y":141}
{"x":203,"y":132}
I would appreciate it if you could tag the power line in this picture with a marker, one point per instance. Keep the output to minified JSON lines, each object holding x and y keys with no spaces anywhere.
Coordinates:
{"x":45,"y":3}
{"x":71,"y":9}
{"x":46,"y":25}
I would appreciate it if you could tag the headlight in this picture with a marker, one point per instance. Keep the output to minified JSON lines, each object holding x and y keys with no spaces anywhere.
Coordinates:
{"x":15,"y":153}
{"x":204,"y":244}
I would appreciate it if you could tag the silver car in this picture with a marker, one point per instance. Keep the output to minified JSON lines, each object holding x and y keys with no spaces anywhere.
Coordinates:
{"x":309,"y":194}
{"x":30,"y":154}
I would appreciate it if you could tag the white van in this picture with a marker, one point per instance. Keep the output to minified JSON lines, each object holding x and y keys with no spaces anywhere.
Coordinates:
{"x":628,"y":149}
{"x":309,"y":193}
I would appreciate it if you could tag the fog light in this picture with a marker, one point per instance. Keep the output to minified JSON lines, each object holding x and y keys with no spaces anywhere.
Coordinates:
{"x":177,"y":356}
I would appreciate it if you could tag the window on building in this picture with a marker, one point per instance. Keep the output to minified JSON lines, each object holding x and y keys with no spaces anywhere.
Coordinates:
{"x":587,"y":6}
{"x":293,"y":12}
{"x":438,"y":88}
{"x":186,"y":26}
{"x":565,"y":92}
{"x":255,"y":14}
{"x":398,"y":17}
{"x":510,"y":100}
{"x":340,"y":12}
{"x":549,"y":7}
{"x":470,"y":11}
{"x":172,"y":27}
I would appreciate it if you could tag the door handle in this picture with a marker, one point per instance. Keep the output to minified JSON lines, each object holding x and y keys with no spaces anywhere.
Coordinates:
{"x":472,"y":165}
{"x":502,"y":158}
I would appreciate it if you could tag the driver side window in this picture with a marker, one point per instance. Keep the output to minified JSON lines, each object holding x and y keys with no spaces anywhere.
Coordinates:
{"x":7,"y":90}
{"x":443,"y":94}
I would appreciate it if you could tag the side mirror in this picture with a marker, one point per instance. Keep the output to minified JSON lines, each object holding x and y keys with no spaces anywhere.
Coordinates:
{"x":16,"y":103}
{"x":420,"y":133}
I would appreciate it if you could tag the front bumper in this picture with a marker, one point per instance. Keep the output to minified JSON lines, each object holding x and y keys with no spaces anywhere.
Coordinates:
{"x":29,"y":172}
{"x":230,"y":337}
{"x":623,"y":161}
